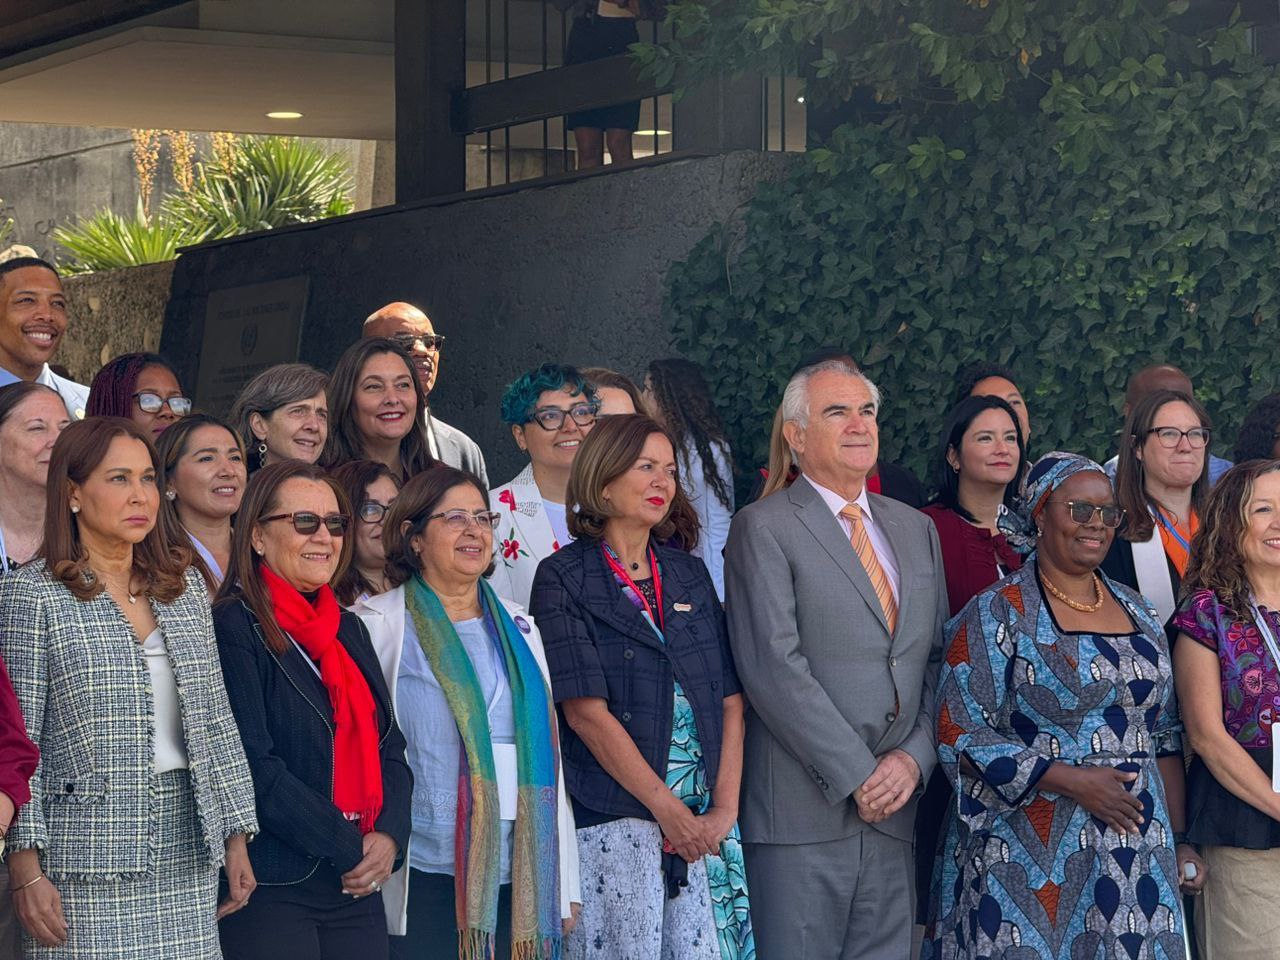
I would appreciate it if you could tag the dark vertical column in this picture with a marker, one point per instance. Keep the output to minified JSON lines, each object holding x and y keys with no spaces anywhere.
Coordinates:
{"x":431,"y":66}
{"x":721,"y":115}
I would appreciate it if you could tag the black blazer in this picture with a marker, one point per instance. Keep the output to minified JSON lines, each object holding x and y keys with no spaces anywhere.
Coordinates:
{"x":599,"y":645}
{"x":286,"y":725}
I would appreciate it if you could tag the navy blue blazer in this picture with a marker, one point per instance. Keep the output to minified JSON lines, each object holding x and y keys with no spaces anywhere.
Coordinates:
{"x":286,"y":725}
{"x":599,"y":645}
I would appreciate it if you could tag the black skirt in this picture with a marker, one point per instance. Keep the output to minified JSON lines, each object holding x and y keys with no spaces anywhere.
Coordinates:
{"x":1217,"y":817}
{"x":593,"y":38}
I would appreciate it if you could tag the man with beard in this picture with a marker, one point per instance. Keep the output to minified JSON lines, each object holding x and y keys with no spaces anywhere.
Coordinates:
{"x":412,"y":329}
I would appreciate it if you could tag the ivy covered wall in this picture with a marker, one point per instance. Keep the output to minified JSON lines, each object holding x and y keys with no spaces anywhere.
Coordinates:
{"x":1080,"y":221}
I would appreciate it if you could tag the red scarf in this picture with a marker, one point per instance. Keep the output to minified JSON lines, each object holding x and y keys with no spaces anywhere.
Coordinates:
{"x":357,"y":768}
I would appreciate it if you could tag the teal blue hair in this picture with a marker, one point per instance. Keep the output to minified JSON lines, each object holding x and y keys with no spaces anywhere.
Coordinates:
{"x":521,"y":397}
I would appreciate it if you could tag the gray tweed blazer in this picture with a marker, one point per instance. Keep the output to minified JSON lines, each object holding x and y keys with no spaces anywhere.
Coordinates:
{"x":85,"y":692}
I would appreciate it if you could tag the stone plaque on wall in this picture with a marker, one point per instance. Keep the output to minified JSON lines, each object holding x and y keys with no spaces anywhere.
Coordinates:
{"x":246,"y":330}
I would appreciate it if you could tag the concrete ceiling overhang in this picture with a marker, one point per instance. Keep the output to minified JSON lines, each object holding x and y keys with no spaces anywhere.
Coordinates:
{"x":190,"y":79}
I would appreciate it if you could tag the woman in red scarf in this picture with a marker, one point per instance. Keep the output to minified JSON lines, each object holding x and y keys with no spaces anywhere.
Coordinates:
{"x":327,"y":758}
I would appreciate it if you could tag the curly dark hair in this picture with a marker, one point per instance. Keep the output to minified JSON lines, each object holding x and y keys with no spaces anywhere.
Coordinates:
{"x":1257,"y":437}
{"x":1217,"y":553}
{"x":684,"y":403}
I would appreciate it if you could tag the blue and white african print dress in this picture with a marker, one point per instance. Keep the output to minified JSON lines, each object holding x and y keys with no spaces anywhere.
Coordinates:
{"x":1032,"y":875}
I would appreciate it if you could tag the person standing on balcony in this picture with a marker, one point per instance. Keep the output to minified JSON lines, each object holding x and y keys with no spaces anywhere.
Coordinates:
{"x":412,"y":329}
{"x":33,"y":321}
{"x":602,"y":29}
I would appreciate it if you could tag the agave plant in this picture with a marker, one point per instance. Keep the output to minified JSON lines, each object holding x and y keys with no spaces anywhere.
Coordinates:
{"x":264,"y":182}
{"x":254,"y":183}
{"x":107,"y":241}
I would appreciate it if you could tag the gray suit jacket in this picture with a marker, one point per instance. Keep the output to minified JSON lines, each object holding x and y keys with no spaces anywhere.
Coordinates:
{"x":820,"y":670}
{"x":455,"y":448}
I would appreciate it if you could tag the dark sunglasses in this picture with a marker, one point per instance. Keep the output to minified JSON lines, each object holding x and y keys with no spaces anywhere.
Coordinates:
{"x":307,"y":523}
{"x":410,"y":341}
{"x":150,"y":402}
{"x":1082,"y":512}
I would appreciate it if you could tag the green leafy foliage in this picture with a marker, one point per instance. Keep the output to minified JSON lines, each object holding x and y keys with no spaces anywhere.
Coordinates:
{"x":1124,"y":214}
{"x":260,"y":183}
{"x":266,"y":182}
{"x":6,"y":230}
{"x":108,"y":241}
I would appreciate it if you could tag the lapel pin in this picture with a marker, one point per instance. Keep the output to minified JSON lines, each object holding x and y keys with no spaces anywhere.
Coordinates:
{"x":682,"y":607}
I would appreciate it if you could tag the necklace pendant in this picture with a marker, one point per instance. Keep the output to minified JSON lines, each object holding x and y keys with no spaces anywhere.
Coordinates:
{"x":635,"y":566}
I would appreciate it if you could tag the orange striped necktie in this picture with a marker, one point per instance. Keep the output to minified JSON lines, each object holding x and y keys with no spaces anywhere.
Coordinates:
{"x":861,"y":542}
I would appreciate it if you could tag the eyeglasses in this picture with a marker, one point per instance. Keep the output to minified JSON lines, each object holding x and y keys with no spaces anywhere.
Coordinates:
{"x":409,"y":341}
{"x":306,"y":523}
{"x":150,"y":402}
{"x":459,"y":520}
{"x":371,"y":511}
{"x":1082,"y":512}
{"x":1170,"y":437}
{"x":551,"y":419}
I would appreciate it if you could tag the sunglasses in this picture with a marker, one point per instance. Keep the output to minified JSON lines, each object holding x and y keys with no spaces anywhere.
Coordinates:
{"x":150,"y":402}
{"x":410,"y":341}
{"x":1082,"y":512}
{"x":307,"y":523}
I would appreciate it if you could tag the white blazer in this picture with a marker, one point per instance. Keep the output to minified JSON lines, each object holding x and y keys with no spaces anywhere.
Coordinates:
{"x":383,"y":615}
{"x":523,"y":539}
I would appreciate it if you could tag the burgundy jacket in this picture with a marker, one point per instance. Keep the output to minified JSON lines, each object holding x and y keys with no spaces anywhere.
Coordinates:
{"x":969,"y":555}
{"x":18,"y":755}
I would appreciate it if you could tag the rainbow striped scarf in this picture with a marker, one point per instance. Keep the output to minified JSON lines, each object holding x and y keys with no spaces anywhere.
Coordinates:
{"x":535,"y":880}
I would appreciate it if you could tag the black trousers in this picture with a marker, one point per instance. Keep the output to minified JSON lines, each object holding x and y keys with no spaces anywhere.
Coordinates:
{"x":312,"y":920}
{"x":432,"y":932}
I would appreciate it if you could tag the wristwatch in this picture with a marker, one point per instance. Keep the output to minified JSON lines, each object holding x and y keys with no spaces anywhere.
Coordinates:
{"x":1180,"y":837}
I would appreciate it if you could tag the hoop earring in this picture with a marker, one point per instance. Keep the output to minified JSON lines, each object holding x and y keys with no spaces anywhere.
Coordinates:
{"x":262,"y":453}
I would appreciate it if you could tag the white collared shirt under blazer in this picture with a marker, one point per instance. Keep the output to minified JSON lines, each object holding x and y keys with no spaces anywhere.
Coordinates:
{"x":85,"y":692}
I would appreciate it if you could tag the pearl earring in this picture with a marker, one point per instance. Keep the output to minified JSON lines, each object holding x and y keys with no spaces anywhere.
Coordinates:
{"x":75,"y":508}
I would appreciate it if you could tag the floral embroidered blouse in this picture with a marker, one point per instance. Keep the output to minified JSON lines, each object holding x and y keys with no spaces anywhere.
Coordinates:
{"x":1250,"y":680}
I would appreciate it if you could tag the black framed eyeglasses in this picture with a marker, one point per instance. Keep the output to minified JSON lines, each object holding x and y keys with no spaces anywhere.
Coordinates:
{"x":149,"y":402}
{"x":552,"y":419}
{"x":1082,"y":512}
{"x":371,"y":511}
{"x":306,"y":523}
{"x":459,"y":520}
{"x":1170,"y":437}
{"x":411,"y":341}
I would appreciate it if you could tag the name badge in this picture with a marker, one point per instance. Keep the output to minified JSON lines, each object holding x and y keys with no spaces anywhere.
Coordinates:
{"x":508,"y":771}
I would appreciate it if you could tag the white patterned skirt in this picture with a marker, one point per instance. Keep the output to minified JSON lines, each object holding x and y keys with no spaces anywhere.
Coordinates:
{"x":625,"y":911}
{"x":165,"y":914}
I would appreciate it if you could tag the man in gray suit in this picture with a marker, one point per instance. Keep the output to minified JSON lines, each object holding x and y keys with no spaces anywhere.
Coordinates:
{"x":409,"y":325}
{"x":836,"y":600}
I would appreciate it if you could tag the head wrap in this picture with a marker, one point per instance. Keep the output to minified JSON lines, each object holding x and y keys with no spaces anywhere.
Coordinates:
{"x":1047,"y":474}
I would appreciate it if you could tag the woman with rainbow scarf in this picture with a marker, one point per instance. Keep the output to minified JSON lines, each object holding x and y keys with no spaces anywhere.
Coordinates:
{"x":492,"y":867}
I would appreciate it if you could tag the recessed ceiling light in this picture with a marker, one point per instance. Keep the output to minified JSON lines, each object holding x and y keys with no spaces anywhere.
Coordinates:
{"x":653,"y":133}
{"x":285,"y":115}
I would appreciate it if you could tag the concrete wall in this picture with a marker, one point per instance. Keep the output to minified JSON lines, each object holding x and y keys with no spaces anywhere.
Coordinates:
{"x":569,"y":272}
{"x":113,"y":312}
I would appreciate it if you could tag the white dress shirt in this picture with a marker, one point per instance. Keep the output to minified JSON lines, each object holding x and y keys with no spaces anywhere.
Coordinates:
{"x":884,"y":553}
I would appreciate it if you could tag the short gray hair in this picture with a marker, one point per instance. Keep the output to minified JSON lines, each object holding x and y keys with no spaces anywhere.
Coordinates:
{"x":795,"y":399}
{"x":270,"y":390}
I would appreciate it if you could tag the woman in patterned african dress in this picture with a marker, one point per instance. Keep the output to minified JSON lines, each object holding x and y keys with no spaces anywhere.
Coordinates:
{"x":1058,"y":728}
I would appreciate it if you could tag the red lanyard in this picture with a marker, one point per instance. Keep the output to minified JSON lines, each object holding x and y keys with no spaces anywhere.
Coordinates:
{"x":615,"y":565}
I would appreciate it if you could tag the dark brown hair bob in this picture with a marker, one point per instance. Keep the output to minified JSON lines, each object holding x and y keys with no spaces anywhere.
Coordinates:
{"x":407,"y":518}
{"x":611,"y":449}
{"x":80,"y":450}
{"x":241,"y":580}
